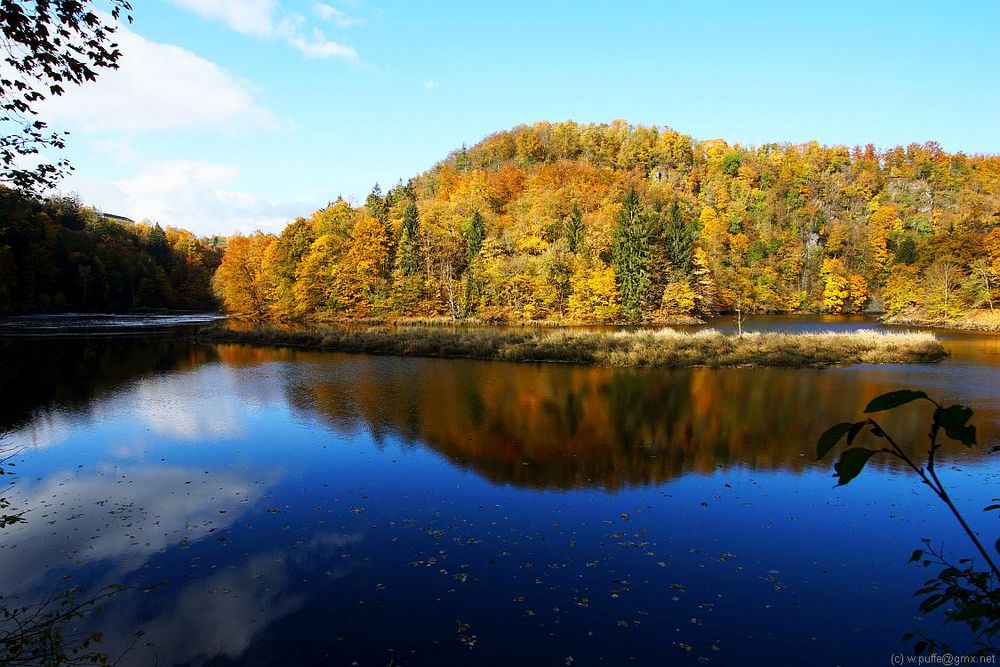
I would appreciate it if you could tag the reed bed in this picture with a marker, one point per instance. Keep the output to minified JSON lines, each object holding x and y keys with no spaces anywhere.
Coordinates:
{"x":660,"y":348}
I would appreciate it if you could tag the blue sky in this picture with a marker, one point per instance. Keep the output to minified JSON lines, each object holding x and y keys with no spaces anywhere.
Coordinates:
{"x":231,"y":115}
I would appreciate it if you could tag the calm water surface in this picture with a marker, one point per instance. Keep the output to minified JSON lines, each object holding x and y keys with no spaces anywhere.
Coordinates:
{"x":312,"y":508}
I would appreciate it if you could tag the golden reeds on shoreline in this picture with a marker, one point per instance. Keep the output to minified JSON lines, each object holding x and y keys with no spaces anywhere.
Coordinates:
{"x":661,"y":348}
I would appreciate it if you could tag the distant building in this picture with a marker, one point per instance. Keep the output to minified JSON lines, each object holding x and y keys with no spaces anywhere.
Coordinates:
{"x":119,"y":218}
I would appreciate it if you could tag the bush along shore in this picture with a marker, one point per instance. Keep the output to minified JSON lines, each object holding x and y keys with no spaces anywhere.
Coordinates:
{"x":662,"y":348}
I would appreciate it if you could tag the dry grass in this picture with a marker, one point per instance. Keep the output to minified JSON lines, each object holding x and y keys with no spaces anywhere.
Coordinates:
{"x":664,"y":348}
{"x":969,"y":320}
{"x":475,"y":322}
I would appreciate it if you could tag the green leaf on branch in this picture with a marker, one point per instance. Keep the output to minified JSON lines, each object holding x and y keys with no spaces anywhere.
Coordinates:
{"x":853,"y":433}
{"x":893,"y":399}
{"x":954,"y":421}
{"x":851,"y":463}
{"x":916,"y":555}
{"x":831,"y":437}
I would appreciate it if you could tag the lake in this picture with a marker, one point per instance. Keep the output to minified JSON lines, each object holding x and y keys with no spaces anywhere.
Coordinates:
{"x":274,"y":506}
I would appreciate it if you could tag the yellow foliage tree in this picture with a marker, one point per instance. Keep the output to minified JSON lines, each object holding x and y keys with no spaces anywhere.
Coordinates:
{"x":706,"y":292}
{"x":594,"y":296}
{"x":713,"y":230}
{"x":240,"y":281}
{"x":857,"y":290}
{"x":313,"y":287}
{"x":835,"y":286}
{"x":359,"y":287}
{"x":678,"y":299}
{"x":903,"y":289}
{"x":883,"y":221}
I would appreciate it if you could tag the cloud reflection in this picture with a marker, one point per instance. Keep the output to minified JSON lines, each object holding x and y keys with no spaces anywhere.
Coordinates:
{"x":118,"y":517}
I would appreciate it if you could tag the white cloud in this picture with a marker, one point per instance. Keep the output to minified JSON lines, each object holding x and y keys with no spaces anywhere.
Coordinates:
{"x":158,"y":87}
{"x":262,"y":19}
{"x":203,"y":197}
{"x":314,"y":44}
{"x":114,"y":148}
{"x":431,"y":84}
{"x":335,"y":16}
{"x":248,"y":17}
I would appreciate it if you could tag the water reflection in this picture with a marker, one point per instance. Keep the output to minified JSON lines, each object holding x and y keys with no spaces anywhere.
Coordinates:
{"x":119,"y":517}
{"x":537,"y":426}
{"x":70,"y":374}
{"x":306,"y":504}
{"x":562,"y":427}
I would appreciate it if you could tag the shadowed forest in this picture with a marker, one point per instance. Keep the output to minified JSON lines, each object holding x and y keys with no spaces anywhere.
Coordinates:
{"x":57,"y":255}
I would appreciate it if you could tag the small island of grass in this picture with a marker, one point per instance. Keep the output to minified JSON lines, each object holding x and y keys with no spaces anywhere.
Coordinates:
{"x":661,"y":348}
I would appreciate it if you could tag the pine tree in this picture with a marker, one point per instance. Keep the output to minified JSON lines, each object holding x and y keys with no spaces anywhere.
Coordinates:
{"x":679,"y":243}
{"x":158,"y":246}
{"x":408,"y":255}
{"x":475,"y":234}
{"x":573,"y":230}
{"x":375,"y":203}
{"x":630,"y":255}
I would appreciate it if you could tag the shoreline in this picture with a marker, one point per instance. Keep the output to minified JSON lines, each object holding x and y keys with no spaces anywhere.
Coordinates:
{"x":663,"y":348}
{"x":983,"y":321}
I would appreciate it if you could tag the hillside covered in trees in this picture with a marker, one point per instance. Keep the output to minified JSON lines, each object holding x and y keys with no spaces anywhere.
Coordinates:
{"x":57,"y":255}
{"x":618,"y":223}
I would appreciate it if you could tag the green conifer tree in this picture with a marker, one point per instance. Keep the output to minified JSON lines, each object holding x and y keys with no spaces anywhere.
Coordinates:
{"x":574,"y":231}
{"x":408,"y":255}
{"x":678,"y":239}
{"x":630,"y":255}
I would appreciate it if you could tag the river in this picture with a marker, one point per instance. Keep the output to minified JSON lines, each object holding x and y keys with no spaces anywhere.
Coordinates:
{"x":273,"y":506}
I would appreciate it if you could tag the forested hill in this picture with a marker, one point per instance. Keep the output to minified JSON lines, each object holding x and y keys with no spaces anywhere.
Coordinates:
{"x":623,"y":223}
{"x":58,"y":255}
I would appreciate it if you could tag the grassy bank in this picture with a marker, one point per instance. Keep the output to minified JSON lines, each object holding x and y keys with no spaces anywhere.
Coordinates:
{"x":969,"y":320}
{"x":660,"y":348}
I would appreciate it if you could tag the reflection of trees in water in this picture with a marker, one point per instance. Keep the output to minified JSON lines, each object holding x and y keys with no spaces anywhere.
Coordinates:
{"x":553,"y":426}
{"x":9,"y":515}
{"x":48,"y":632}
{"x":71,"y":372}
{"x":549,"y":425}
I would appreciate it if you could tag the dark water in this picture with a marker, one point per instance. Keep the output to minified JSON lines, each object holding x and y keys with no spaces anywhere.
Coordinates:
{"x":310,"y":508}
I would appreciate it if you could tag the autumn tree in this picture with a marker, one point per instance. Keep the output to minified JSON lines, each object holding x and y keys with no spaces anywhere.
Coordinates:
{"x":359,"y":287}
{"x":240,"y":281}
{"x":942,"y":281}
{"x":534,"y":221}
{"x":281,"y":263}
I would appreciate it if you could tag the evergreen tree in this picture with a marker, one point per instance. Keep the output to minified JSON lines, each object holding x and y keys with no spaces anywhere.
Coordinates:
{"x":462,"y":158}
{"x":408,"y":255}
{"x":475,"y":234}
{"x":574,"y":231}
{"x":158,"y":246}
{"x":678,"y":240}
{"x":376,"y":205}
{"x":630,"y":255}
{"x":906,"y":253}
